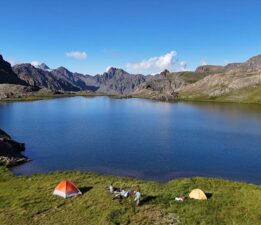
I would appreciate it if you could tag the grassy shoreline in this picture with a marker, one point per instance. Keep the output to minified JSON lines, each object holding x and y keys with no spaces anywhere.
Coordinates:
{"x":29,"y":200}
{"x":221,"y":99}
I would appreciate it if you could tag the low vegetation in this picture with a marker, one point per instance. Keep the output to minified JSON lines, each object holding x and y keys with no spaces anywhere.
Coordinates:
{"x":29,"y":200}
{"x":244,"y":95}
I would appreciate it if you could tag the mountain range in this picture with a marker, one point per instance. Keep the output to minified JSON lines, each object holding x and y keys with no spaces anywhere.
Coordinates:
{"x":114,"y":81}
{"x":231,"y":82}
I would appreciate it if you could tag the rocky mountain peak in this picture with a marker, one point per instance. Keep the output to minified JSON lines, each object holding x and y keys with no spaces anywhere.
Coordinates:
{"x":254,"y":63}
{"x":165,"y":73}
{"x":61,"y":68}
{"x":113,"y":71}
{"x":4,"y":65}
{"x":7,"y":75}
{"x":62,"y":71}
{"x":43,"y":66}
{"x":209,"y":69}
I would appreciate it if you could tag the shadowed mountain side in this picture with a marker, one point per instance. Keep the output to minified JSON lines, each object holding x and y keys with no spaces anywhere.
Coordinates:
{"x":43,"y":78}
{"x":7,"y":76}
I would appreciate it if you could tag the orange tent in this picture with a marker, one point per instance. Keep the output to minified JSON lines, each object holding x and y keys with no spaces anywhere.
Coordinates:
{"x":66,"y":189}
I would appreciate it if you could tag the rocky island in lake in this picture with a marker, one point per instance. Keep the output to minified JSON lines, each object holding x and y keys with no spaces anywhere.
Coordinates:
{"x":11,"y":151}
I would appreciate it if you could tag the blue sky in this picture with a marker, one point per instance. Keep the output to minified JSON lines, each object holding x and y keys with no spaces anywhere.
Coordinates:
{"x":136,"y":35}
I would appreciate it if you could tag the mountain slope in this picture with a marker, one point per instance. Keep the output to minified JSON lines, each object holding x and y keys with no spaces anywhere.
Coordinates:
{"x":238,"y":82}
{"x":43,"y":78}
{"x":118,"y":81}
{"x":165,"y":85}
{"x":7,"y":76}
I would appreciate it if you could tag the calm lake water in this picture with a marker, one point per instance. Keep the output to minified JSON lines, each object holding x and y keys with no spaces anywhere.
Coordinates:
{"x":137,"y":138}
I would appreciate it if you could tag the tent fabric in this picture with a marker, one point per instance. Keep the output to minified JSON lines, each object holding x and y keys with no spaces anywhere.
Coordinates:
{"x":198,"y":194}
{"x":66,"y":189}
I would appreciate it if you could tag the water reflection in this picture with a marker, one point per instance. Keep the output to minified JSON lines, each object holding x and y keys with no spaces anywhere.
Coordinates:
{"x":137,"y":137}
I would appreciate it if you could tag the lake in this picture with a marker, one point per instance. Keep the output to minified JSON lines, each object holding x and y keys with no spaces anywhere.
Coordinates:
{"x":137,"y":138}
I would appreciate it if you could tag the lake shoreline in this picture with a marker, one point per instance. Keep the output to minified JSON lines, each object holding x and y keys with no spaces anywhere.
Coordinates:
{"x":93,"y":94}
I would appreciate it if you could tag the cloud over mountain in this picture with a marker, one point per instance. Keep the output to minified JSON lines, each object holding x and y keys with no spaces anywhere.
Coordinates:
{"x":154,"y":63}
{"x":158,"y":63}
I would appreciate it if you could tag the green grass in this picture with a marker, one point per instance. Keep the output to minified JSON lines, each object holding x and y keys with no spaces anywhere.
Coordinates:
{"x":188,"y":76}
{"x":29,"y":200}
{"x":245,"y":95}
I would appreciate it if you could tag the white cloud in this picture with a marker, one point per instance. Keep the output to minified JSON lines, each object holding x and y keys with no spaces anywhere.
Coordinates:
{"x":204,"y":62}
{"x":183,"y":65}
{"x":13,"y":62}
{"x":158,"y":64}
{"x":108,"y":68}
{"x":77,"y":55}
{"x":35,"y":63}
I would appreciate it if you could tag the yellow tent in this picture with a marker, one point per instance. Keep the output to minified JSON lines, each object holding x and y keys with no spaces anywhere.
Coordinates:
{"x":198,"y":194}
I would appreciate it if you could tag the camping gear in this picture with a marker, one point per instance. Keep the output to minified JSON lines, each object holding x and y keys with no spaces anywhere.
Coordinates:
{"x":180,"y":198}
{"x":137,"y":197}
{"x":198,"y":194}
{"x":66,"y":189}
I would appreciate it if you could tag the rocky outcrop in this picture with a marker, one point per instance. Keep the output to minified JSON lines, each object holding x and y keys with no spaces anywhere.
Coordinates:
{"x":165,"y":85}
{"x":210,"y":69}
{"x":16,"y":91}
{"x":43,"y":66}
{"x":10,"y":151}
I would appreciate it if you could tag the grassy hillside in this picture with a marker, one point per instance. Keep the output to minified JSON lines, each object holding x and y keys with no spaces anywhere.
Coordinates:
{"x":232,"y":87}
{"x":29,"y":200}
{"x":188,"y":77}
{"x":244,"y":95}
